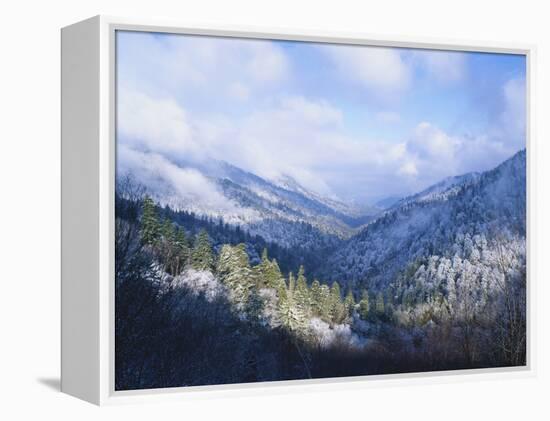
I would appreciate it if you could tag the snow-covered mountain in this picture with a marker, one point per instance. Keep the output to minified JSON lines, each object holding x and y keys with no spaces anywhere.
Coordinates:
{"x":438,"y":191}
{"x":387,"y":202}
{"x":286,"y":199}
{"x":281,"y":211}
{"x":353,"y":213}
{"x":459,"y":217}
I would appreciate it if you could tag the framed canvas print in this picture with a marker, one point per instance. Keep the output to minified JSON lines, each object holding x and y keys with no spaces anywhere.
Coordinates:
{"x":245,"y":209}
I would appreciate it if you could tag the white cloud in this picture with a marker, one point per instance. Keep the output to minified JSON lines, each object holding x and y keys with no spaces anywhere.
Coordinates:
{"x":430,"y":143}
{"x":381,"y":71}
{"x":430,"y":155}
{"x":300,"y":137}
{"x":408,"y":168}
{"x":174,"y":185}
{"x":319,"y":113}
{"x":444,"y":66}
{"x":199,"y":66}
{"x":288,"y":137}
{"x":306,"y":139}
{"x":266,"y":62}
{"x":433,"y":154}
{"x":385,"y":73}
{"x":159,"y":125}
{"x":185,"y":97}
{"x":294,"y":136}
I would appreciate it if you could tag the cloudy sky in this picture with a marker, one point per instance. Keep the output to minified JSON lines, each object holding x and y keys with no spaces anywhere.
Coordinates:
{"x":353,"y":122}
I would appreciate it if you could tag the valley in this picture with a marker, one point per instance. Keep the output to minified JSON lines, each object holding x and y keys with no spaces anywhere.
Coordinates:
{"x":312,"y":281}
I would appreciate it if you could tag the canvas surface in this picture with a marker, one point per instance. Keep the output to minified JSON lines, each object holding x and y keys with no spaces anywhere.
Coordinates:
{"x":290,"y":210}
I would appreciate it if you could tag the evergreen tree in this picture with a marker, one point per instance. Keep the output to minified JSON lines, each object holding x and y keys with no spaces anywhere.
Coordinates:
{"x":291,"y":283}
{"x":262,"y":271}
{"x":303,"y":299}
{"x":273,"y":276}
{"x":291,"y":315}
{"x":337,"y":309}
{"x":325,"y":303}
{"x":235,"y":272}
{"x":349,"y":303}
{"x":364,"y":305}
{"x":168,"y":246}
{"x":316,"y":297}
{"x":183,"y":253}
{"x":301,"y":275}
{"x":167,"y":231}
{"x":226,"y":262}
{"x":202,"y":257}
{"x":150,"y":226}
{"x":281,"y":289}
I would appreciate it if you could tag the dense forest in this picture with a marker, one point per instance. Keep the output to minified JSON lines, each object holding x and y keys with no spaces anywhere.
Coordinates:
{"x":199,"y":301}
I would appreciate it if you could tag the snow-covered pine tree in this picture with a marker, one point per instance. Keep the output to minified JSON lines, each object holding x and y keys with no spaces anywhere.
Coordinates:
{"x":316,"y":298}
{"x":225,"y":262}
{"x":262,"y":271}
{"x":291,"y":315}
{"x":202,"y":257}
{"x":273,"y":276}
{"x":235,"y":272}
{"x":325,"y":303}
{"x":303,"y":299}
{"x":337,"y":309}
{"x":291,"y":284}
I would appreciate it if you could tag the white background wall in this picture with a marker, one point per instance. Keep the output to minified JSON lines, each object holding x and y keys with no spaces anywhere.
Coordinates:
{"x":29,"y":215}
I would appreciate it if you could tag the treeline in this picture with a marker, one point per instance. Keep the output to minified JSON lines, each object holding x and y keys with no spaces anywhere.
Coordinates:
{"x":295,"y":302}
{"x":168,"y":334}
{"x":219,"y":232}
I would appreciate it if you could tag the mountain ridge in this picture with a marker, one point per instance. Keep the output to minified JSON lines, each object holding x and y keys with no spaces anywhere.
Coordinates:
{"x":248,"y":200}
{"x":483,"y":205}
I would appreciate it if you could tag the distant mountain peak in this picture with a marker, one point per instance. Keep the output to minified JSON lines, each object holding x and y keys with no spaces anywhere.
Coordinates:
{"x":485,"y":206}
{"x":440,"y":190}
{"x":387,"y":202}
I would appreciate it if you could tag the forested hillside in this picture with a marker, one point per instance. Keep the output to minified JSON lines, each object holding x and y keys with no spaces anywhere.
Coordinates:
{"x":188,"y":314}
{"x":437,"y":281}
{"x":307,"y":246}
{"x":468,"y":218}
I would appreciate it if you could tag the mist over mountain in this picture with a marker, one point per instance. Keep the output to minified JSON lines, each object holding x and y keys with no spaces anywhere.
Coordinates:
{"x":460,"y":216}
{"x":371,"y":244}
{"x":360,"y":247}
{"x":220,"y":190}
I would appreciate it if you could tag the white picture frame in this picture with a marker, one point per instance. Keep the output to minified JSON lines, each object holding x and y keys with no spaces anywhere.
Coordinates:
{"x":88,"y":168}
